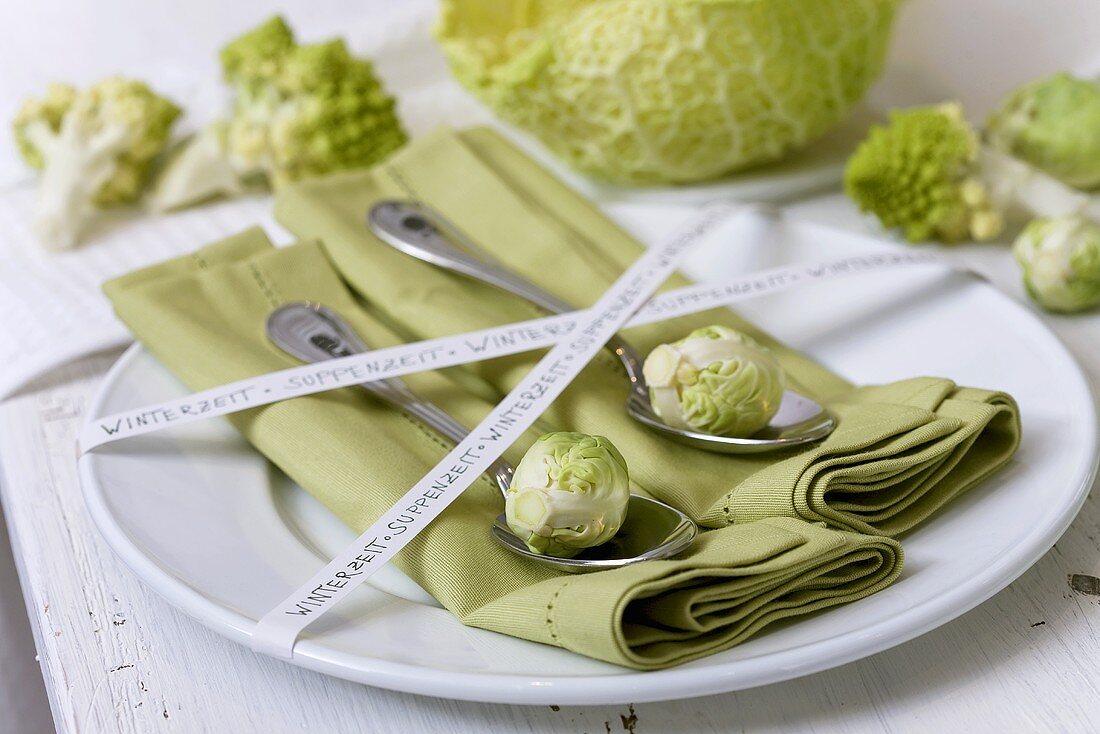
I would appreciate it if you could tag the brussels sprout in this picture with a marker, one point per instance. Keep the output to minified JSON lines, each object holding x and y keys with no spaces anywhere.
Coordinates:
{"x":1053,"y":124}
{"x":1060,"y":259}
{"x":570,"y":492}
{"x":715,"y":380}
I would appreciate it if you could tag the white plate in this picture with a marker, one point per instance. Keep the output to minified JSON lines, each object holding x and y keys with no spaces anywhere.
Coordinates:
{"x":207,"y":523}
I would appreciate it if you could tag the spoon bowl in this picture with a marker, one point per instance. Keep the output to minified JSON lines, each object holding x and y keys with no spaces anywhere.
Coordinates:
{"x":649,"y":532}
{"x":798,"y":421}
{"x":421,"y":232}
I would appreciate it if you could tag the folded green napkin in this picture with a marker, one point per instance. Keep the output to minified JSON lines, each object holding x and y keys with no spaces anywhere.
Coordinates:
{"x":901,"y":451}
{"x":203,"y":317}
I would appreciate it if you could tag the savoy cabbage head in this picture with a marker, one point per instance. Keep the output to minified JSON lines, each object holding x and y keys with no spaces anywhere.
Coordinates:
{"x":648,"y":91}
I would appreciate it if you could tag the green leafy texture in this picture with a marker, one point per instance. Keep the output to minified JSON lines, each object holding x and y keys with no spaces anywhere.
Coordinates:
{"x":570,"y":492}
{"x":919,"y":174}
{"x":1060,"y":260}
{"x":649,"y":91}
{"x":95,"y":148}
{"x":1053,"y":124}
{"x":715,"y":380}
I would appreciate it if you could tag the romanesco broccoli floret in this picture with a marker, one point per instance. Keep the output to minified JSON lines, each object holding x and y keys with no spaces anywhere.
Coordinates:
{"x":94,"y":147}
{"x":299,"y":111}
{"x":256,"y":56}
{"x":326,"y":112}
{"x":927,"y":174}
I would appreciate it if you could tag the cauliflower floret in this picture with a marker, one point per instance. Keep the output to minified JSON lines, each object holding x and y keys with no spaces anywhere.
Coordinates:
{"x":38,"y":116}
{"x":94,"y":147}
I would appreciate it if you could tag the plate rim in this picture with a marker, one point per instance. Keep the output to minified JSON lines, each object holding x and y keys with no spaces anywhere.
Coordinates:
{"x":630,"y":686}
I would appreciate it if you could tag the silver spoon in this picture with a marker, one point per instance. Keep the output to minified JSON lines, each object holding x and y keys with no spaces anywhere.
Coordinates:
{"x":422,"y":232}
{"x":313,"y":333}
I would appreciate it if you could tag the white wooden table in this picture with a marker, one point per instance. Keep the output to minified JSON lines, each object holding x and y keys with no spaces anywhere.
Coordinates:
{"x":117,"y":658}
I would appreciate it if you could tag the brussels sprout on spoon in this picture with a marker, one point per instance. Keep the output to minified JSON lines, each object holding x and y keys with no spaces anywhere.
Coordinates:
{"x":715,"y":380}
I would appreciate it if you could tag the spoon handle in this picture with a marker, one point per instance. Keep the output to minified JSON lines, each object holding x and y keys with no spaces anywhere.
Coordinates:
{"x":420,"y":231}
{"x":313,"y":333}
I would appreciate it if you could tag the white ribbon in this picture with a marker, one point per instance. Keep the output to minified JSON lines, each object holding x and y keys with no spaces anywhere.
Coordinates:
{"x":474,"y":346}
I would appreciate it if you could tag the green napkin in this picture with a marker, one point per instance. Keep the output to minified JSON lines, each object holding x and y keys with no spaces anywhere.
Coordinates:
{"x":901,"y":451}
{"x":203,"y":317}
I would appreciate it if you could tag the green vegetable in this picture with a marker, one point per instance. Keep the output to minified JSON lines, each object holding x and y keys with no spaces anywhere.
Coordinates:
{"x":644,"y":91}
{"x":715,"y":380}
{"x":252,"y":59}
{"x":1060,"y":260}
{"x":927,"y":174}
{"x":1053,"y":124}
{"x":94,"y":147}
{"x":570,"y":492}
{"x":299,"y":112}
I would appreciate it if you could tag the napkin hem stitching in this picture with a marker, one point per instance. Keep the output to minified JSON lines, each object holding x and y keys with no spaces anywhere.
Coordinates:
{"x":550,"y":623}
{"x":263,"y":283}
